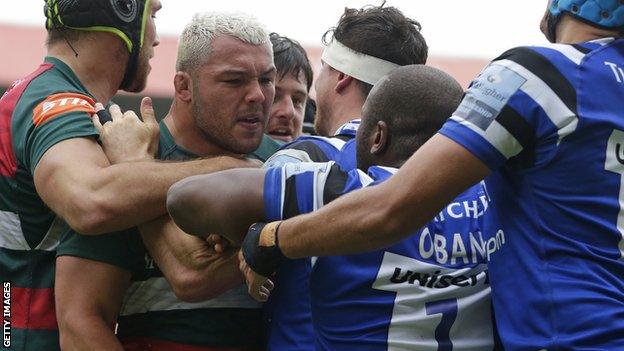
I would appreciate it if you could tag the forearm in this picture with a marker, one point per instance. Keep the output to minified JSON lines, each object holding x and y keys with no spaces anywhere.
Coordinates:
{"x":194,"y":270}
{"x":88,"y":332}
{"x":357,"y":222}
{"x":224,"y":203}
{"x":379,"y":216}
{"x":127,"y":194}
{"x":88,"y":297}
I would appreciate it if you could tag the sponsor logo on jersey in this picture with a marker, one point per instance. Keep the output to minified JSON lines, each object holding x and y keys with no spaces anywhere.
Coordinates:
{"x":470,"y":249}
{"x":436,"y":280}
{"x":488,"y":94}
{"x":464,"y":209}
{"x":59,"y":104}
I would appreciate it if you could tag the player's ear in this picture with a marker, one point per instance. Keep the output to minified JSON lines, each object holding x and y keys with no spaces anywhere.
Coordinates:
{"x":183,"y":85}
{"x":343,"y":82}
{"x":380,"y":138}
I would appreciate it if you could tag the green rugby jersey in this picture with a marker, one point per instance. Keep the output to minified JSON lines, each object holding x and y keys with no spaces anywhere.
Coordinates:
{"x":150,"y":310}
{"x":36,"y":112}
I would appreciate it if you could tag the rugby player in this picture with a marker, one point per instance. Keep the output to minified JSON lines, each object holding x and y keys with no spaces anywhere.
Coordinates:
{"x":181,"y":295}
{"x":294,"y":79}
{"x":353,"y":60}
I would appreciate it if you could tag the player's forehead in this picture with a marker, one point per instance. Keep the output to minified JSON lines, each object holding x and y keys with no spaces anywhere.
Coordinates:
{"x":229,"y":54}
{"x":295,"y":85}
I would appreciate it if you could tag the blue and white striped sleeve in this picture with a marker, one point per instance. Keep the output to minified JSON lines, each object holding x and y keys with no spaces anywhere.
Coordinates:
{"x":522,"y":102}
{"x":294,"y":188}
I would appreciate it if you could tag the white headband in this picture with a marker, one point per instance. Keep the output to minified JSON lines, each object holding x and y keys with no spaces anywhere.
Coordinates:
{"x":360,"y":66}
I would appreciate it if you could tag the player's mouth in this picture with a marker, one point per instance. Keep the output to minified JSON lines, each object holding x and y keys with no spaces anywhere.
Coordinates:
{"x":284,"y":134}
{"x":251,"y":123}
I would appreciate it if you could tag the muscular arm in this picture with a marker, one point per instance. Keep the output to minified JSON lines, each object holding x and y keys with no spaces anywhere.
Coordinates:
{"x":194,"y":270}
{"x":76,"y":180}
{"x":225,"y":203}
{"x":88,"y":297}
{"x":379,"y":216}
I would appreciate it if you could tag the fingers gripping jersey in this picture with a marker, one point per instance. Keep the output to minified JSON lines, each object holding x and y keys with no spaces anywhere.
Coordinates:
{"x":550,"y":120}
{"x":428,"y":292}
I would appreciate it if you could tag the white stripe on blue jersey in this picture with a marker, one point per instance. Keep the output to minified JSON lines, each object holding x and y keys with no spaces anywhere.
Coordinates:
{"x":560,"y":115}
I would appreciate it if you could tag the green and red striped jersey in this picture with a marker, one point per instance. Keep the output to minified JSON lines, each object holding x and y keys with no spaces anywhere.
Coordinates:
{"x":48,"y":106}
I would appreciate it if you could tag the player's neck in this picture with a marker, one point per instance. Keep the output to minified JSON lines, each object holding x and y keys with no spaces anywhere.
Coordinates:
{"x":99,"y":69}
{"x":186,"y":134}
{"x":344,"y":112}
{"x":572,"y":31}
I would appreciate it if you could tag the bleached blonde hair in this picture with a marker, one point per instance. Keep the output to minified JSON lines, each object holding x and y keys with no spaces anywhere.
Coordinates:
{"x":195,"y":41}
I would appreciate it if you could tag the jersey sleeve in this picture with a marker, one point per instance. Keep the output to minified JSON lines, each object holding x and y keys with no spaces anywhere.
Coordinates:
{"x":59,"y":117}
{"x":305,"y":149}
{"x":520,"y":106}
{"x":121,"y":249}
{"x":294,"y":188}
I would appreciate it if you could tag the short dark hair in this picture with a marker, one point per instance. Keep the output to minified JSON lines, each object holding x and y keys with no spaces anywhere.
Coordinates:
{"x":290,"y":58}
{"x":414,"y":101}
{"x":382,"y":32}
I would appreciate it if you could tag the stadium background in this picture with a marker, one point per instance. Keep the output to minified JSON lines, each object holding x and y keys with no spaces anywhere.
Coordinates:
{"x":24,"y":50}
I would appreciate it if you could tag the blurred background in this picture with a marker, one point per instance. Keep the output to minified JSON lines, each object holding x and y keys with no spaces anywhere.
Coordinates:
{"x":462,"y":35}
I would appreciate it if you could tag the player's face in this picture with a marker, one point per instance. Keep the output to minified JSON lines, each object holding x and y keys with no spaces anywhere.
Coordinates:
{"x":150,"y":40}
{"x":233,"y":93}
{"x":323,"y":87}
{"x":286,"y":118}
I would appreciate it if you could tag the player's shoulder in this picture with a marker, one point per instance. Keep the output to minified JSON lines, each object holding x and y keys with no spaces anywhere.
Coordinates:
{"x":307,"y":149}
{"x":550,"y":58}
{"x":49,"y":91}
{"x":312,"y":141}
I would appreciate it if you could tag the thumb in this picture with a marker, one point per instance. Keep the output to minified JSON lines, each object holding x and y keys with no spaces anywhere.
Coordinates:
{"x":147,"y":111}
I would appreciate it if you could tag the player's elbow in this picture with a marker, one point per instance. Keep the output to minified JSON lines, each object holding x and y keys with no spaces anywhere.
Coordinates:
{"x":90,"y":215}
{"x":72,"y":323}
{"x":178,"y":198}
{"x":183,"y":203}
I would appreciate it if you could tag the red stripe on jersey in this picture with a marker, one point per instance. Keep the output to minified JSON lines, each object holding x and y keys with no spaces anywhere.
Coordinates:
{"x":8,"y":164}
{"x":150,"y":344}
{"x":32,"y":308}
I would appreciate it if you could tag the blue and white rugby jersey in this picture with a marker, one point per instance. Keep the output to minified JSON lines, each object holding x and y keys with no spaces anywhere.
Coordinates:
{"x":429,"y":292}
{"x":287,"y":312}
{"x":339,"y":148}
{"x":550,"y":120}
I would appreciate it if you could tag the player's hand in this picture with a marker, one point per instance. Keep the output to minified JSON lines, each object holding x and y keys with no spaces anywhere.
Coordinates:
{"x":261,"y":249}
{"x":125,"y":138}
{"x":258,"y":286}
